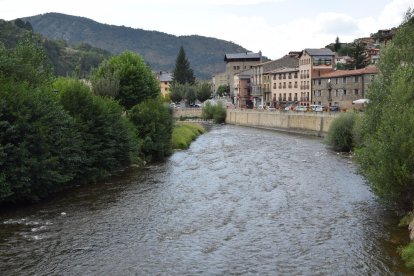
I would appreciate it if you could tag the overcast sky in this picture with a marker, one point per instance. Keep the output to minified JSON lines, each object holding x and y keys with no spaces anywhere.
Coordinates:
{"x":273,"y":26}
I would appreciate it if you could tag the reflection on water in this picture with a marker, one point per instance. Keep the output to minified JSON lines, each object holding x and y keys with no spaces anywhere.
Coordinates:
{"x":239,"y":201}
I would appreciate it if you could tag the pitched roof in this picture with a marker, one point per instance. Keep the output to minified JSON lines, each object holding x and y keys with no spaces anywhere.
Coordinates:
{"x":344,"y":73}
{"x":283,"y":70}
{"x":243,"y":56}
{"x":319,"y":52}
{"x":164,"y":76}
{"x":286,"y":61}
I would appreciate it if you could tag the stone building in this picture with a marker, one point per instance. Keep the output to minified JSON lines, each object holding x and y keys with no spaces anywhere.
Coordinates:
{"x":341,"y":87}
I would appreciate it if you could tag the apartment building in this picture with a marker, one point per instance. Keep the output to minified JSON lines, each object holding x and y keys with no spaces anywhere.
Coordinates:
{"x":342,"y":87}
{"x":242,"y":84}
{"x":284,"y":87}
{"x":311,"y":60}
{"x":261,"y":90}
{"x":235,"y":63}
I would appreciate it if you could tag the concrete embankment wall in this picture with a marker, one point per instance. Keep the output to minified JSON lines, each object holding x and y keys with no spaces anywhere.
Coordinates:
{"x":186,"y":112}
{"x":307,"y":123}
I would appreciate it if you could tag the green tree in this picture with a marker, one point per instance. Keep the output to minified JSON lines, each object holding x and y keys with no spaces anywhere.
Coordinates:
{"x":204,"y":91}
{"x":223,"y":90}
{"x":190,"y":93}
{"x":177,"y":92}
{"x":359,"y":55}
{"x":182,"y":72}
{"x":387,"y":153}
{"x":108,"y":140}
{"x":39,"y":145}
{"x":136,"y":81}
{"x":153,"y":124}
{"x":337,"y":45}
{"x":26,"y":62}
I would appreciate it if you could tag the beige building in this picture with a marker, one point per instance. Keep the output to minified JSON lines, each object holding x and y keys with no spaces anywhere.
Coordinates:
{"x":219,"y":80}
{"x":261,"y":91}
{"x":235,"y":63}
{"x":165,"y":80}
{"x":310,"y":61}
{"x":284,"y":87}
{"x":342,"y":87}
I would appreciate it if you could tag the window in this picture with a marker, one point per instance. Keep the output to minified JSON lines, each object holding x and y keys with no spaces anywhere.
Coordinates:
{"x":319,"y":81}
{"x":356,"y":79}
{"x":289,"y":76}
{"x":280,"y":76}
{"x":284,"y":85}
{"x":296,"y":75}
{"x":356,"y":91}
{"x":344,"y":91}
{"x":344,"y":80}
{"x":274,"y":77}
{"x":336,"y":80}
{"x":274,"y":85}
{"x":296,"y":84}
{"x":284,"y":76}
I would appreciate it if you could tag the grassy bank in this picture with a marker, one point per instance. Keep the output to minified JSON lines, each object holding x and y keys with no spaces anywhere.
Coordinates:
{"x":184,"y":133}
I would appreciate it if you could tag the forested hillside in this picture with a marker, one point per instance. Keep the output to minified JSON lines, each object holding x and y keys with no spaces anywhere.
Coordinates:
{"x":65,"y":59}
{"x":159,"y":50}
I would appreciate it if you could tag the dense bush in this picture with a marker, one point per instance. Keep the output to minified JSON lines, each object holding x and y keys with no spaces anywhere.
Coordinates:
{"x":341,"y":133}
{"x":153,"y":124}
{"x":39,"y":146}
{"x":184,"y":133}
{"x":216,"y":112}
{"x":108,"y":139}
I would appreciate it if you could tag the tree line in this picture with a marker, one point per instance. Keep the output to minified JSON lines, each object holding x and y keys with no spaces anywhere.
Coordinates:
{"x":57,"y":132}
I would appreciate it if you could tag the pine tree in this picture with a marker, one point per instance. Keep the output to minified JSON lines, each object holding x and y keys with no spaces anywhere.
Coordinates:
{"x":183,"y":73}
{"x":337,"y":45}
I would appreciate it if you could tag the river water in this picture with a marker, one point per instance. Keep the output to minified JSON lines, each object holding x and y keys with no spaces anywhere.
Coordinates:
{"x":239,"y":201}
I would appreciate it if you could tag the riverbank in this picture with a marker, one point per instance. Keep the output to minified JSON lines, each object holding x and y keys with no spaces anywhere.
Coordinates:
{"x":184,"y":133}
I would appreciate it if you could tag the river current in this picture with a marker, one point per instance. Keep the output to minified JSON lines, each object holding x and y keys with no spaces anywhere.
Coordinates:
{"x":240,"y":201}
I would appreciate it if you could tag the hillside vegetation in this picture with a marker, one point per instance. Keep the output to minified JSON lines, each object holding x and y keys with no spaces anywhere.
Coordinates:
{"x":159,"y":49}
{"x":65,"y":59}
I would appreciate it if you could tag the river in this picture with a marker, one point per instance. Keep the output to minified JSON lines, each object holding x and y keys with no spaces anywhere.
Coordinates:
{"x":240,"y":201}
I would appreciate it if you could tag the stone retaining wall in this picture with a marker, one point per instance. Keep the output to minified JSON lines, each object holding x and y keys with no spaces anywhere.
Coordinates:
{"x":307,"y":122}
{"x":187,"y":112}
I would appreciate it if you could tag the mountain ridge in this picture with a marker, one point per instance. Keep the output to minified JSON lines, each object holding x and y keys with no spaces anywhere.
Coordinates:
{"x":159,"y":49}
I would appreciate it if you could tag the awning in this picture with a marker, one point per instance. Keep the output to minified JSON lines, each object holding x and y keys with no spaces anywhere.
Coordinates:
{"x":361,"y":101}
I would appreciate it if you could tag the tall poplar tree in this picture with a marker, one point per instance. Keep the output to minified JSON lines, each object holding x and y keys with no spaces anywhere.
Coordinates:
{"x":183,"y":73}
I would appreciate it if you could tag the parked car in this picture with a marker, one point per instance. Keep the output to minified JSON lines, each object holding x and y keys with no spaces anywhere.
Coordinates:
{"x":301,"y":108}
{"x":270,"y":108}
{"x":334,"y":108}
{"x":289,"y":107}
{"x":316,"y":107}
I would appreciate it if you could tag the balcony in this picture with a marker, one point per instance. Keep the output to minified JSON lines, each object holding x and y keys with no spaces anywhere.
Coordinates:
{"x":257,"y":91}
